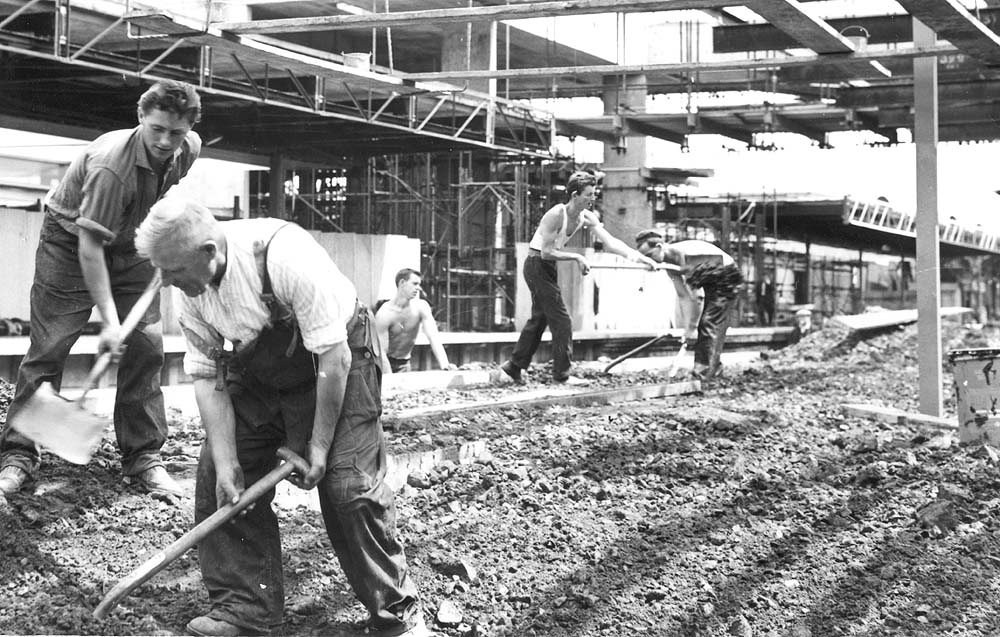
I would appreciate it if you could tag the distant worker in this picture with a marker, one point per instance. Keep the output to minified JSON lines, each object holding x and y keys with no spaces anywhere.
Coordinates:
{"x":765,"y":301}
{"x":557,"y":227}
{"x":708,"y":267}
{"x":399,"y":319}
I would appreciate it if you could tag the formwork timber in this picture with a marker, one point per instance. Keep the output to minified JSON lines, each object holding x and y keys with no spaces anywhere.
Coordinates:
{"x":896,"y":416}
{"x":462,"y":348}
{"x":540,"y":398}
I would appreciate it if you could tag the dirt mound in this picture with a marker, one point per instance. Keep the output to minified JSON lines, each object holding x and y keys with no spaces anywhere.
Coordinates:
{"x":896,"y":344}
{"x":756,"y":507}
{"x":6,"y":395}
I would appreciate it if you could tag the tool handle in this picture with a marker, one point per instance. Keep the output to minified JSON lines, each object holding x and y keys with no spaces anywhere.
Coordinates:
{"x":669,"y":266}
{"x":156,"y":563}
{"x":128,"y":325}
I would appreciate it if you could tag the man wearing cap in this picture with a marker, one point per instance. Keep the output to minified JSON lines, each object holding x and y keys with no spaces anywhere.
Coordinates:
{"x":557,"y":227}
{"x":702,"y":266}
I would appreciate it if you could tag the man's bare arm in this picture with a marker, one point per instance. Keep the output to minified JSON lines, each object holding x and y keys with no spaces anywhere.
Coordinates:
{"x":613,"y":244}
{"x":433,"y":336}
{"x":219,"y":421}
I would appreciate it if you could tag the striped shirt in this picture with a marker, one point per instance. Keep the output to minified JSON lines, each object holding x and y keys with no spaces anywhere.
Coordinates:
{"x":303,"y":278}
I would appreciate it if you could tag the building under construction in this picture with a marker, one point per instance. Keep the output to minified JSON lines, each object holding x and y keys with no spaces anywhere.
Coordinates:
{"x":423,"y":122}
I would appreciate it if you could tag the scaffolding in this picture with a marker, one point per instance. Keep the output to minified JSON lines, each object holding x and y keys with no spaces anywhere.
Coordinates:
{"x":468,"y":209}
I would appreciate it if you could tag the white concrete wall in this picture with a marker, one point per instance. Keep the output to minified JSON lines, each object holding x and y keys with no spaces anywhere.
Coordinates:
{"x":19,"y":231}
{"x":370,"y":261}
{"x":627,"y":300}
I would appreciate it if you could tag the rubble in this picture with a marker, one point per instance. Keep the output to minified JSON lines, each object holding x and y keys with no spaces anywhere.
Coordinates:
{"x":758,"y":507}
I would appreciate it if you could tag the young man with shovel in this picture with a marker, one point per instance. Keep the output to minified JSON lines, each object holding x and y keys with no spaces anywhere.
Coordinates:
{"x":303,"y":372}
{"x":86,"y":257}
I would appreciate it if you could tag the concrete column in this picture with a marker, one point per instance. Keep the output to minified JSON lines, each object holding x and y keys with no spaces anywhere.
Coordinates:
{"x":470,"y":48}
{"x":276,"y":187}
{"x":626,"y":210}
{"x":925,"y":134}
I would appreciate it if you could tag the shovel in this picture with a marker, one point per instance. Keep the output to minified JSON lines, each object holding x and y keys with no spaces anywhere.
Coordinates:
{"x":159,"y":560}
{"x":65,"y":427}
{"x":675,"y":365}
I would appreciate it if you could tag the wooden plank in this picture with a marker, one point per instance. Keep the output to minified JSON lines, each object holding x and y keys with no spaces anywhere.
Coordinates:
{"x":804,"y":25}
{"x":462,"y":15}
{"x":878,"y":320}
{"x":549,"y":398}
{"x":898,"y":416}
{"x":953,"y":22}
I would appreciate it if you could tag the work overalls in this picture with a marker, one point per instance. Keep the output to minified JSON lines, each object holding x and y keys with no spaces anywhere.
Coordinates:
{"x":272,"y":384}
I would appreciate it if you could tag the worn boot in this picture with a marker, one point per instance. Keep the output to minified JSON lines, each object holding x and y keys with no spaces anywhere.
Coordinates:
{"x":207,"y":626}
{"x":12,"y":478}
{"x":156,"y":480}
{"x":513,"y":371}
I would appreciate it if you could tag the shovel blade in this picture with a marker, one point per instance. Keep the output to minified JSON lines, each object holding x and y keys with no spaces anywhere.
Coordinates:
{"x":62,"y":426}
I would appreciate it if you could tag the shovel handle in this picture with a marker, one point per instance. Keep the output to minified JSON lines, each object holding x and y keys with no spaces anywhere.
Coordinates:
{"x":128,"y":325}
{"x":156,"y":563}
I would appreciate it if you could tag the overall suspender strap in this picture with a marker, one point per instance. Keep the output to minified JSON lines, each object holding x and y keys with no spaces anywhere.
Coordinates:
{"x":278,"y":312}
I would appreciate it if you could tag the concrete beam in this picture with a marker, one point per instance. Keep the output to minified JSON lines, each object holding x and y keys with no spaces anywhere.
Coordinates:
{"x":672,"y":70}
{"x":804,"y":25}
{"x":463,"y":15}
{"x":951,"y":21}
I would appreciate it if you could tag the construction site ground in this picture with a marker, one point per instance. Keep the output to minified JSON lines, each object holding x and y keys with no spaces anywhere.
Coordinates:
{"x":755,"y":507}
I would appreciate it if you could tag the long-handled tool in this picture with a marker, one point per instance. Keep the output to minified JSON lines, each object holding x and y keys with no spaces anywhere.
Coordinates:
{"x":631,"y":353}
{"x":66,"y":427}
{"x":291,"y":463}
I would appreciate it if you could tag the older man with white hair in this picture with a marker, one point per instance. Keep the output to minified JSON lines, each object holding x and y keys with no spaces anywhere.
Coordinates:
{"x":303,"y":372}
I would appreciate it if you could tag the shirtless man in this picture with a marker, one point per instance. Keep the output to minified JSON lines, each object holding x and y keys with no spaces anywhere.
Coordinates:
{"x":398,"y":321}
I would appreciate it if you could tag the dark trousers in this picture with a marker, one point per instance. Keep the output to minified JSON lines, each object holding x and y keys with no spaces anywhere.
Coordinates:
{"x":399,"y":365}
{"x":720,"y":297}
{"x":547,"y":310}
{"x":241,"y":562}
{"x":60,"y":309}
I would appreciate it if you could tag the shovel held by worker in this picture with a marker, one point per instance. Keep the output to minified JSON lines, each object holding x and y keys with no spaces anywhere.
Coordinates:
{"x":65,"y":427}
{"x":292,"y":463}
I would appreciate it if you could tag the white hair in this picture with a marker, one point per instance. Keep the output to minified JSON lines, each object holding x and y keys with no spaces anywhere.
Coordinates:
{"x":174,"y":221}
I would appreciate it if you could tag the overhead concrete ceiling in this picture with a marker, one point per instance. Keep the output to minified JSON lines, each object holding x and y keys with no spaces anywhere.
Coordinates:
{"x":271,"y":88}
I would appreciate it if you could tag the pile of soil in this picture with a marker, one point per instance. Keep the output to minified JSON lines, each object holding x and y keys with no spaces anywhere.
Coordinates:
{"x":755,"y":508}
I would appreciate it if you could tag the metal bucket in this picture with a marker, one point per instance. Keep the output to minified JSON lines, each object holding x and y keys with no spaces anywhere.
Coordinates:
{"x":977,"y":393}
{"x":358,"y":60}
